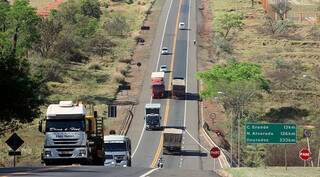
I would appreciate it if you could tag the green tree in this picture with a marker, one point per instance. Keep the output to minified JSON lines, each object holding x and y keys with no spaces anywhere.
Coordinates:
{"x":4,"y":9}
{"x":20,"y":32}
{"x":21,"y":94}
{"x":234,"y":71}
{"x":86,"y":26}
{"x":117,"y":25}
{"x":68,"y":12}
{"x":100,"y":45}
{"x":91,"y":8}
{"x":49,"y":29}
{"x":228,"y":21}
{"x":235,"y":85}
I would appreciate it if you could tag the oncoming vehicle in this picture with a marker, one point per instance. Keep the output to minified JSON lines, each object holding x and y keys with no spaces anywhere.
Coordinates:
{"x":182,"y":26}
{"x":165,"y":51}
{"x":152,"y":116}
{"x":73,"y":134}
{"x":163,"y":68}
{"x":117,"y":151}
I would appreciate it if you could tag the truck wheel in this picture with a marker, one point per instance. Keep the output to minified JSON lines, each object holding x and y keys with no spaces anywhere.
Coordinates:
{"x":129,"y":163}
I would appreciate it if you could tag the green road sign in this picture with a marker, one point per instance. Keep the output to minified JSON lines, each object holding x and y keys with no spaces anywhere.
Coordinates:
{"x":271,"y":133}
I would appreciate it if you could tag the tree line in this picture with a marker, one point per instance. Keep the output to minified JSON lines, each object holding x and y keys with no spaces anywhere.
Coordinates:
{"x":35,"y":50}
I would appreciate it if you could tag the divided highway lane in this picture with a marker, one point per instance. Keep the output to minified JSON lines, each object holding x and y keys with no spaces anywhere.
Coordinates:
{"x":145,"y":143}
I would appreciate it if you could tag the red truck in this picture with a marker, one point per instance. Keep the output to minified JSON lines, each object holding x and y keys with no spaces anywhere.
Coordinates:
{"x":158,"y":87}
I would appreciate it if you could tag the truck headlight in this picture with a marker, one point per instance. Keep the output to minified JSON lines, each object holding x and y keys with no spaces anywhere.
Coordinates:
{"x":47,"y":153}
{"x":82,"y":152}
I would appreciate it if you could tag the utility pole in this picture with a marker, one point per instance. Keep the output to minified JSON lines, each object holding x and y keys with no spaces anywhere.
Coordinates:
{"x":309,"y":151}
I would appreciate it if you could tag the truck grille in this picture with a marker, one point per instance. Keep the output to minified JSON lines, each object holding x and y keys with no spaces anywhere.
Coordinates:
{"x":65,"y":141}
{"x":65,"y":152}
{"x":119,"y":158}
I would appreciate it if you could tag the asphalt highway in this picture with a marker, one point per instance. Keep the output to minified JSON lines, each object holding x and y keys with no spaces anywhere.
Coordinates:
{"x":182,"y":62}
{"x":147,"y":145}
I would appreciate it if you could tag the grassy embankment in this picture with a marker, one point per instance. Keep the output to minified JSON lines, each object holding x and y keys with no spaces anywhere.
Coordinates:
{"x":274,"y":172}
{"x":82,"y":81}
{"x":297,"y":53}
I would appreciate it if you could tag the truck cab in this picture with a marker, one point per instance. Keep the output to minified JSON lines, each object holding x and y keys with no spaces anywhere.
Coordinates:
{"x":117,"y":151}
{"x":71,"y":135}
{"x":152,"y":116}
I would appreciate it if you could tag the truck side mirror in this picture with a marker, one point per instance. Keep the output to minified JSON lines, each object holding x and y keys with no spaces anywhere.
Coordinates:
{"x":40,"y":126}
{"x":160,"y":117}
{"x":95,"y":114}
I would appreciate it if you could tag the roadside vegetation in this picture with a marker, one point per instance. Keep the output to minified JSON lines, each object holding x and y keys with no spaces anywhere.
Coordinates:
{"x":275,"y":171}
{"x":280,"y":86}
{"x":81,"y":51}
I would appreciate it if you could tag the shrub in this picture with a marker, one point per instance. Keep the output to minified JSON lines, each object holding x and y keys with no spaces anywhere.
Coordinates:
{"x":222,"y":45}
{"x":118,"y":77}
{"x":94,"y":66}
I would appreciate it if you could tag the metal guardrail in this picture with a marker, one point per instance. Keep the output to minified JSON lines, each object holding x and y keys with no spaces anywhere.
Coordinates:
{"x":127,"y":121}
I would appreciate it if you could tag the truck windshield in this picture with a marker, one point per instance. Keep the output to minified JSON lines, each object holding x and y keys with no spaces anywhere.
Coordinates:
{"x":152,"y":110}
{"x":67,"y":125}
{"x":158,"y":87}
{"x":115,"y":147}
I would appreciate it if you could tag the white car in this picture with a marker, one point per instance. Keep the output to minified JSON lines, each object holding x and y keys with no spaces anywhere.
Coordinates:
{"x":164,"y":51}
{"x":163,"y":68}
{"x":182,"y":26}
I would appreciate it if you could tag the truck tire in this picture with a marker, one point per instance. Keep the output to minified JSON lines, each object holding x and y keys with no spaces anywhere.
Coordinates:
{"x":129,"y":163}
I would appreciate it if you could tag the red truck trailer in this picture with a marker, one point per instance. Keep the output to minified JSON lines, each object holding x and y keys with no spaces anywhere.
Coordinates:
{"x":158,"y":87}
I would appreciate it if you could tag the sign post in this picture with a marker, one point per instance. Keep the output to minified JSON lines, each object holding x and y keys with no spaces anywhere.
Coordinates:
{"x":304,"y":154}
{"x":271,"y":134}
{"x":14,"y":142}
{"x":214,"y":153}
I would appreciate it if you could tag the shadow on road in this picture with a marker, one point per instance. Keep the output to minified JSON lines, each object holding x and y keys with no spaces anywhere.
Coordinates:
{"x":193,"y":153}
{"x":190,"y":153}
{"x":192,"y":97}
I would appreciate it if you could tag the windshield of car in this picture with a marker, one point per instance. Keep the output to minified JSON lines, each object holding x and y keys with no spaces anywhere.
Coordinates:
{"x":163,"y":67}
{"x":115,"y":146}
{"x":67,"y":125}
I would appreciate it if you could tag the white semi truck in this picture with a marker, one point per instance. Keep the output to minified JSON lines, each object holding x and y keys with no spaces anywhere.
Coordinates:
{"x":72,"y":135}
{"x":152,"y":116}
{"x":117,"y":151}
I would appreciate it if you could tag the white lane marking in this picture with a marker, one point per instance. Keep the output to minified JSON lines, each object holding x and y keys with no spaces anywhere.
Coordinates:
{"x":139,"y":141}
{"x":163,"y":32}
{"x":187,"y":63}
{"x":149,"y":172}
{"x":197,"y":141}
{"x":209,"y":140}
{"x":161,"y":43}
